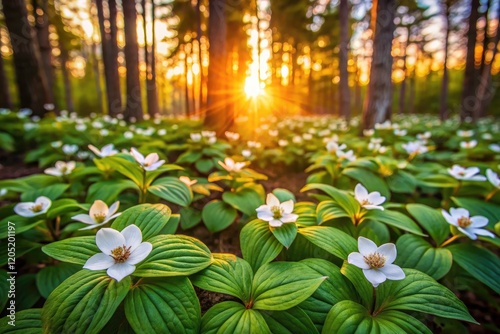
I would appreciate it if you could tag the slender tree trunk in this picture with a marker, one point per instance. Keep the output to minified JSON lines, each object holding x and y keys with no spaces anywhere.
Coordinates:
{"x":199,"y":34}
{"x":486,"y":39}
{"x":217,"y":116}
{"x":5,"y":98}
{"x":379,"y":101}
{"x":97,"y":76}
{"x":42,"y":32}
{"x":186,"y":85}
{"x":133,"y":108}
{"x":151,"y":91}
{"x":31,"y":81}
{"x":469,"y":99}
{"x":358,"y":99}
{"x":152,"y":84}
{"x":402,"y":88}
{"x":109,"y":57}
{"x":345,"y":100}
{"x":67,"y":82}
{"x":443,"y":110}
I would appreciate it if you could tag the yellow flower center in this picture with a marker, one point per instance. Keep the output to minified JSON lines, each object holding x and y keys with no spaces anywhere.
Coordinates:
{"x":365,"y":202}
{"x":121,"y":254}
{"x":277,"y":212}
{"x":386,"y":171}
{"x":375,"y":260}
{"x":36,"y":208}
{"x":99,"y":217}
{"x":464,"y":222}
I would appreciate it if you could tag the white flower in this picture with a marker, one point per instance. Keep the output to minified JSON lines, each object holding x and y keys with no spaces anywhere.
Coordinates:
{"x":61,"y":168}
{"x":162,"y":132}
{"x":3,"y":192}
{"x":400,"y":133}
{"x":368,"y":132}
{"x":415,"y":147}
{"x":332,"y":146}
{"x":56,"y":144}
{"x":487,"y":136}
{"x":104,"y":132}
{"x":494,"y":148}
{"x":151,"y":162}
{"x":99,"y":214}
{"x":208,"y":134}
{"x":232,"y":135}
{"x":376,"y":262}
{"x":467,"y":174}
{"x":231,"y":166}
{"x":196,"y":137}
{"x":121,"y":251}
{"x":80,"y":127}
{"x":468,"y":144}
{"x":367,"y":200}
{"x":246,"y":153}
{"x":31,"y":209}
{"x":349,"y":155}
{"x":69,"y":149}
{"x":128,"y":134}
{"x":424,"y":136}
{"x":105,"y":151}
{"x":283,"y":142}
{"x":276,"y":213}
{"x":493,"y":178}
{"x":187,"y":181}
{"x":465,"y":133}
{"x":470,"y":226}
{"x":254,"y":144}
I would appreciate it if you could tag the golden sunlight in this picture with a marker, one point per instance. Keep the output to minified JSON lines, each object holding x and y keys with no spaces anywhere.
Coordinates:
{"x":253,"y":87}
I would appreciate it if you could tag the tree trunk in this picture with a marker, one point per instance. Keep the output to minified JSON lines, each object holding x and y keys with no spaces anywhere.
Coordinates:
{"x":133,"y":109}
{"x":186,"y":85}
{"x":379,"y":99}
{"x":42,"y":32}
{"x":443,"y":110}
{"x":5,"y":98}
{"x":402,"y":88}
{"x":217,"y":117}
{"x":149,"y":59}
{"x":486,"y":40}
{"x":199,"y":33}
{"x":469,"y":99}
{"x":345,"y":100}
{"x":109,"y":58}
{"x":31,"y":81}
{"x":67,"y":82}
{"x":97,"y":76}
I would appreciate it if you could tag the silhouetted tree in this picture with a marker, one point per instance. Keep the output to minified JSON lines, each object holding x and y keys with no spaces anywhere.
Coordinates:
{"x":5,"y":98}
{"x":345,"y":101}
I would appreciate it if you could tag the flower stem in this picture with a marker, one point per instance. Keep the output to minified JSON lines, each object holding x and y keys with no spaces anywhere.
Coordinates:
{"x":142,"y":195}
{"x":491,"y":194}
{"x":450,"y":240}
{"x":374,"y":301}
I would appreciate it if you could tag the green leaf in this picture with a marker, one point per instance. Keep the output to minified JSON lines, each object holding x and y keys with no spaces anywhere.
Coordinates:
{"x":227,"y":274}
{"x":174,"y":255}
{"x":127,"y":168}
{"x":4,"y":288}
{"x":108,"y":191}
{"x":30,"y":295}
{"x":218,"y":215}
{"x":432,"y":221}
{"x":420,"y":292}
{"x":284,"y":195}
{"x":83,"y":303}
{"x":478,"y":207}
{"x":402,"y":182}
{"x":149,"y":218}
{"x":375,"y":231}
{"x":173,"y":190}
{"x":479,"y":262}
{"x":231,"y":317}
{"x":169,"y":305}
{"x":63,"y":206}
{"x":153,"y":174}
{"x":346,"y":201}
{"x":27,"y":322}
{"x":258,"y":244}
{"x":244,"y":199}
{"x":50,"y":277}
{"x":370,"y":180}
{"x":285,"y":234}
{"x":204,"y":165}
{"x":73,"y":250}
{"x":53,"y":192}
{"x":437,"y":181}
{"x":362,"y":286}
{"x":351,"y":317}
{"x":306,"y":212}
{"x":278,"y":286}
{"x":329,"y":210}
{"x":414,"y":252}
{"x":333,"y":290}
{"x":23,"y":246}
{"x":190,"y":217}
{"x":292,"y":321}
{"x":395,"y":219}
{"x":333,"y":240}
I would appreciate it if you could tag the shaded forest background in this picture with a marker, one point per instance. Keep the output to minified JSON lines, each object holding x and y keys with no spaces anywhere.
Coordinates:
{"x":220,"y":59}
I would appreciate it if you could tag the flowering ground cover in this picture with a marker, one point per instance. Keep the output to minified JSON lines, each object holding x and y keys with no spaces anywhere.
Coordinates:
{"x":160,"y":226}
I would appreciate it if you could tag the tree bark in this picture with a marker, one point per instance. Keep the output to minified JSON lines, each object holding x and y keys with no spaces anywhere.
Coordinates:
{"x":345,"y":100}
{"x":31,"y":81}
{"x":199,"y":33}
{"x":133,"y":108}
{"x":109,"y":58}
{"x":68,"y":96}
{"x":443,"y":110}
{"x":5,"y":98}
{"x":217,"y":117}
{"x":402,"y":88}
{"x":379,"y":99}
{"x":469,"y":98}
{"x":149,"y":59}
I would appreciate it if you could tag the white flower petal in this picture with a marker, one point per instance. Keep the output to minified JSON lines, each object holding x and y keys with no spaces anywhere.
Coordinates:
{"x":289,"y":217}
{"x":91,"y":226}
{"x":140,"y":253}
{"x":360,"y":193}
{"x":133,"y":236}
{"x":373,"y":207}
{"x":468,"y":233}
{"x":478,"y":221}
{"x":99,"y":261}
{"x":108,"y":239}
{"x":137,"y":156}
{"x":275,"y":223}
{"x":287,"y":206}
{"x":366,"y":246}
{"x":113,"y":208}
{"x":272,"y":200}
{"x":392,"y":272}
{"x":120,"y":270}
{"x":483,"y":232}
{"x":265,"y":215}
{"x":86,"y":219}
{"x":375,"y":277}
{"x":389,"y":251}
{"x":151,"y":159}
{"x":358,"y":260}
{"x":459,"y":212}
{"x":449,"y":218}
{"x":98,"y":208}
{"x":23,"y":209}
{"x":375,"y":198}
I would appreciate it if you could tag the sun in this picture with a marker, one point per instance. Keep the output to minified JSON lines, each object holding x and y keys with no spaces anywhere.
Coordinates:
{"x":253,"y":88}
